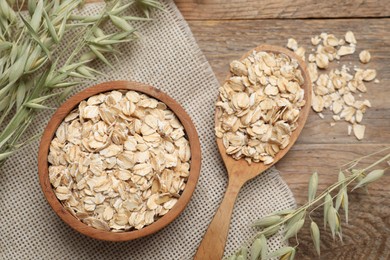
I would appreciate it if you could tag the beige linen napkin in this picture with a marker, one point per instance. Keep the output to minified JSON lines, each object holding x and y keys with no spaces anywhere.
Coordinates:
{"x":167,"y":57}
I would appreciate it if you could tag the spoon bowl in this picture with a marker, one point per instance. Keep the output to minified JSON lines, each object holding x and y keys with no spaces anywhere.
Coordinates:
{"x":239,"y":171}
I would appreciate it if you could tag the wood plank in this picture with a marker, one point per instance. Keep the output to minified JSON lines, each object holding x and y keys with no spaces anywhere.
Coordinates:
{"x":254,"y":9}
{"x":223,"y":41}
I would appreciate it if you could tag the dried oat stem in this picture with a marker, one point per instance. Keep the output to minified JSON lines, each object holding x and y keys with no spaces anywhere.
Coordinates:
{"x":293,"y":220}
{"x":354,"y":162}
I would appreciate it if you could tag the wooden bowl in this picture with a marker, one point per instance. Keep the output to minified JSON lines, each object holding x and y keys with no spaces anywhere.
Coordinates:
{"x":59,"y":116}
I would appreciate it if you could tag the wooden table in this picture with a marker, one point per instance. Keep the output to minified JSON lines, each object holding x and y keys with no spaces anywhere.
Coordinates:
{"x":225,"y":29}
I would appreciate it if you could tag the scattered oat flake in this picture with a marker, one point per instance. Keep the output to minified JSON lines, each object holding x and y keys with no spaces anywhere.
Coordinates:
{"x":350,"y":37}
{"x":349,"y":129}
{"x":322,"y":61}
{"x":339,"y":89}
{"x":365,"y":56}
{"x":346,"y":50}
{"x":315,"y":40}
{"x":292,"y":44}
{"x":369,"y":75}
{"x":358,"y":131}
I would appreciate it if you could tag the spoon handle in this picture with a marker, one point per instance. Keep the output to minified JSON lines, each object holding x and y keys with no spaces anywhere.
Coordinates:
{"x":213,"y":244}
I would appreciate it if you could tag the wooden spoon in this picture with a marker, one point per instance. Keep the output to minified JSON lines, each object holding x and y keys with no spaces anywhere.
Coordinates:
{"x":239,"y":171}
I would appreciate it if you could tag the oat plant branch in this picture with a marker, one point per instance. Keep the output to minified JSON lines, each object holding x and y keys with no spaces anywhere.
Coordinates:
{"x":31,"y":74}
{"x":334,"y":198}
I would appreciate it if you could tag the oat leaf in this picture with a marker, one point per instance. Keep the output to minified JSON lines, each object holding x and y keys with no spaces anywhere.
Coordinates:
{"x":268,"y":232}
{"x":327,"y":204}
{"x":32,"y":59}
{"x":345,"y":205}
{"x":264,"y":247}
{"x":289,"y":256}
{"x":281,"y":252}
{"x":146,"y":5}
{"x":31,"y":5}
{"x":73,"y":66}
{"x":35,"y":37}
{"x":342,"y":191}
{"x":294,"y":229}
{"x":121,"y":23}
{"x":65,"y":93}
{"x":232,"y":257}
{"x":95,"y":71}
{"x":341,"y":177}
{"x":259,"y":248}
{"x":83,"y":70}
{"x":313,"y":185}
{"x":36,"y":17}
{"x":50,"y":27}
{"x":75,"y":74}
{"x":118,"y":10}
{"x":5,"y":155}
{"x":333,"y":221}
{"x":339,"y":199}
{"x":266,"y":221}
{"x":87,"y":57}
{"x":37,"y":106}
{"x":295,"y":219}
{"x":20,"y":94}
{"x":371,"y":177}
{"x":38,"y":64}
{"x":14,"y":53}
{"x":315,"y":235}
{"x":256,"y":249}
{"x":283,"y":212}
{"x":100,"y":55}
{"x":4,"y":45}
{"x":43,"y":98}
{"x":17,"y":69}
{"x":61,"y":30}
{"x":123,"y":35}
{"x":244,"y":252}
{"x":67,"y":84}
{"x":7,"y":11}
{"x":4,"y":103}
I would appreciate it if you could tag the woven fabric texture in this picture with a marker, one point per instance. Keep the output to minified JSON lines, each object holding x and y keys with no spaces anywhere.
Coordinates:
{"x":166,"y":56}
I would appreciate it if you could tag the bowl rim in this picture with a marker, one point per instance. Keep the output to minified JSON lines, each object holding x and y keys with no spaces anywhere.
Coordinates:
{"x":66,"y":108}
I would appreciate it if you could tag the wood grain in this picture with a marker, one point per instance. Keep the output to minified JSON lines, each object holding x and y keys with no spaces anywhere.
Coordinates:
{"x":59,"y":116}
{"x":225,"y":29}
{"x":255,"y":9}
{"x":320,"y":147}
